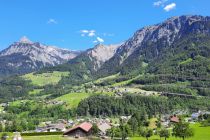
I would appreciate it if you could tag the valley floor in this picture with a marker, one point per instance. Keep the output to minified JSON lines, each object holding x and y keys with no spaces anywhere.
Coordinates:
{"x":201,"y":133}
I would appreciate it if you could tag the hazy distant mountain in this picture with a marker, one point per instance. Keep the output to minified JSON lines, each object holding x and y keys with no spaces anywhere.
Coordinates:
{"x":26,"y":56}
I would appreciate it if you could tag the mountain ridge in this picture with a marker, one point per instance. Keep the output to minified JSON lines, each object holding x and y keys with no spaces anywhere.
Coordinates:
{"x":34,"y":56}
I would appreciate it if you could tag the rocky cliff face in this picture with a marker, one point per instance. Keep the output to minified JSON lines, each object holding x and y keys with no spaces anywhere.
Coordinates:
{"x":167,"y":32}
{"x":101,"y":53}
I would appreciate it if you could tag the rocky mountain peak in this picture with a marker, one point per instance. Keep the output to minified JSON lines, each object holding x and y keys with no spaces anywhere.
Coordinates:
{"x":27,"y":56}
{"x":103,"y":52}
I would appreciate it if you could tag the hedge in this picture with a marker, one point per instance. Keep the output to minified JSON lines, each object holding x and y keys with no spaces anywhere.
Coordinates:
{"x":41,"y":133}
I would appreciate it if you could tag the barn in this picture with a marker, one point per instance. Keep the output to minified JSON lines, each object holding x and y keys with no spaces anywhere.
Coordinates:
{"x":81,"y":130}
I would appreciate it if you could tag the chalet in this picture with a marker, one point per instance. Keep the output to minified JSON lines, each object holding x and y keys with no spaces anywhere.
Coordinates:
{"x":174,"y":119}
{"x":81,"y":130}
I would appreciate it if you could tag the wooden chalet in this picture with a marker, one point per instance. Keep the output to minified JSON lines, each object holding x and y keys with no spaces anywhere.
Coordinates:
{"x":81,"y":130}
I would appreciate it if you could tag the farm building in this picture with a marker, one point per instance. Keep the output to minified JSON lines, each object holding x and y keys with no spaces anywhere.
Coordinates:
{"x":174,"y":119}
{"x":52,"y":128}
{"x":81,"y":130}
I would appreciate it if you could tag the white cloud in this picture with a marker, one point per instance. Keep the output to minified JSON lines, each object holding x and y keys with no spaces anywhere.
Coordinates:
{"x":170,"y":7}
{"x":89,"y":33}
{"x":84,"y":31}
{"x":100,"y":40}
{"x":94,"y":35}
{"x":52,"y":21}
{"x":160,"y":3}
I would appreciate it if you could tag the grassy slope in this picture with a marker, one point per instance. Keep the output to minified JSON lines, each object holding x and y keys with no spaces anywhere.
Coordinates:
{"x":45,"y":78}
{"x":106,"y":78}
{"x":73,"y":99}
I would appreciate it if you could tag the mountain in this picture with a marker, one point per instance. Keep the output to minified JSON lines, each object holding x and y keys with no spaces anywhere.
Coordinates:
{"x":176,"y":50}
{"x":85,"y":65}
{"x":25,"y":56}
{"x":154,"y":44}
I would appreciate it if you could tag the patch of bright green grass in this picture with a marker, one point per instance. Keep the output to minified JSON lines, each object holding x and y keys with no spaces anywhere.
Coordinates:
{"x":72,"y":99}
{"x":45,"y":78}
{"x":201,"y":133}
{"x":126,"y":82}
{"x":18,"y":102}
{"x":106,"y":78}
{"x":45,"y":138}
{"x":186,"y":61}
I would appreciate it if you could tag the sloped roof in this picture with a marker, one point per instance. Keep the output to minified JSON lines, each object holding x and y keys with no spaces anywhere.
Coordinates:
{"x":174,"y":119}
{"x":84,"y":126}
{"x":104,"y":127}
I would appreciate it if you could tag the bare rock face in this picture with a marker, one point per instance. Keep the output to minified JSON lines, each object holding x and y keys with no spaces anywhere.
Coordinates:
{"x":101,"y":53}
{"x":168,"y":31}
{"x":26,"y":56}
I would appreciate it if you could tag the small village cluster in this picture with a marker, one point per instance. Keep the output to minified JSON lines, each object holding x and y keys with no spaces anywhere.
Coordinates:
{"x":81,"y":128}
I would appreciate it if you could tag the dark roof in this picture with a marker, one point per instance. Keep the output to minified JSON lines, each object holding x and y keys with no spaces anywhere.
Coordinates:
{"x":84,"y":126}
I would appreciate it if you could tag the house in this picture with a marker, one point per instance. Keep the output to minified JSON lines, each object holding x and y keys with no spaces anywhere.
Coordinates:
{"x":81,"y":130}
{"x":174,"y":119}
{"x":103,"y":127}
{"x":195,"y":116}
{"x":60,"y":127}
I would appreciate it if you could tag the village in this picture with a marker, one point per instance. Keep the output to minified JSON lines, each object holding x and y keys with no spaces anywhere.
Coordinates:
{"x":89,"y":127}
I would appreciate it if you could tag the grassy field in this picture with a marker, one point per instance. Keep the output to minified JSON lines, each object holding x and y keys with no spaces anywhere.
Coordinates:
{"x":201,"y":133}
{"x":51,"y":138}
{"x":73,"y":99}
{"x":44,"y":138}
{"x":35,"y":91}
{"x":18,"y":102}
{"x":106,"y":78}
{"x":45,"y":78}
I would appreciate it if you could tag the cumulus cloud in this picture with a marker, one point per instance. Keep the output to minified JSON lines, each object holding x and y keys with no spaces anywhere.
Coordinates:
{"x":100,"y":40}
{"x":170,"y":7}
{"x":89,"y":33}
{"x":52,"y":21}
{"x":94,"y":35}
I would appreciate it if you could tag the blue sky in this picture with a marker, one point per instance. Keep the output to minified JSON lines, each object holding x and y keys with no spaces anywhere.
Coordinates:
{"x":79,"y":24}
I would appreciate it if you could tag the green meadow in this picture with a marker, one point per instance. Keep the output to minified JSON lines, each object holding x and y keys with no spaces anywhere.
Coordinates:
{"x":72,"y":99}
{"x":45,"y":78}
{"x":201,"y":133}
